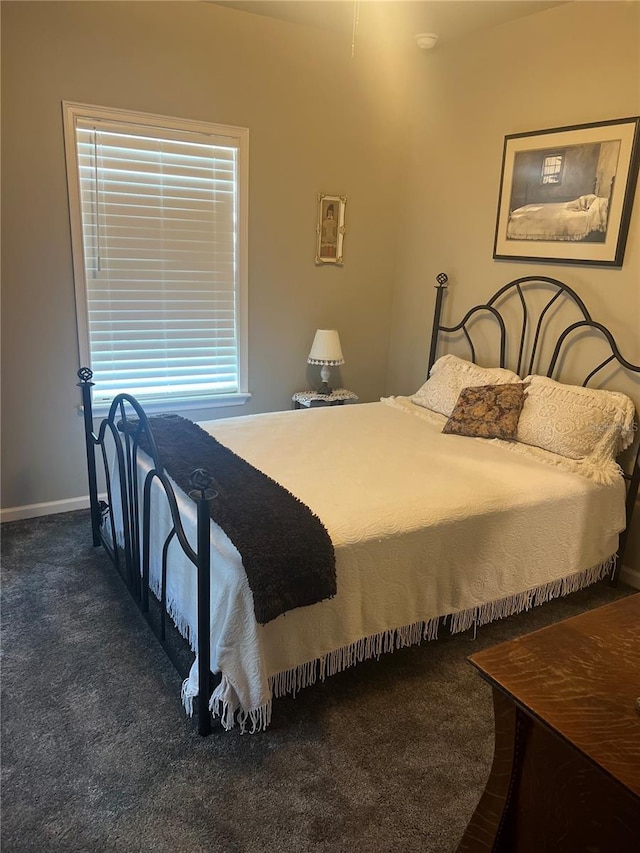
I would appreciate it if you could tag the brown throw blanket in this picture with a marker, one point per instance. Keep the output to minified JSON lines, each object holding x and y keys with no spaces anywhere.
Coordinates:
{"x":286,"y":551}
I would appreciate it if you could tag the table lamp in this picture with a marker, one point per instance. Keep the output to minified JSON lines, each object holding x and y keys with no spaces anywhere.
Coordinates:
{"x":325,"y":350}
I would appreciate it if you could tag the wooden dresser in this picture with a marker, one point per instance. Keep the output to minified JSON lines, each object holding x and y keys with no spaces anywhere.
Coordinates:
{"x":566,"y":768}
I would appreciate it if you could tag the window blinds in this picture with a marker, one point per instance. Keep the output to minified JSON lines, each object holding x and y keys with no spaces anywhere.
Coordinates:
{"x":159,"y":225}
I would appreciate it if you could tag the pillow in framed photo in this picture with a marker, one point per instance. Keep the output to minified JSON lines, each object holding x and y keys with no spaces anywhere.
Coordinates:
{"x":575,"y":422}
{"x":449,"y":375}
{"x":487,"y":411}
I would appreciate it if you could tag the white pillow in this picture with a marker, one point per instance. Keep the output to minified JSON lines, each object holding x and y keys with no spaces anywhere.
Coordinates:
{"x":449,"y":375}
{"x":575,"y":422}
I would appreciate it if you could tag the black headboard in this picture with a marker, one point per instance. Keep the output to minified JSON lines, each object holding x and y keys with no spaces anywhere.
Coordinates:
{"x":527,"y":344}
{"x":523,"y":348}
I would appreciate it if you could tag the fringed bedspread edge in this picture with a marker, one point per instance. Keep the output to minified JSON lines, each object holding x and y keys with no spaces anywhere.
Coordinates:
{"x":289,"y":682}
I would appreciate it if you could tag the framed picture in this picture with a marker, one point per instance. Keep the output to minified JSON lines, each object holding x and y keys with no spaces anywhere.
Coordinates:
{"x":330,"y":228}
{"x":566,"y":193}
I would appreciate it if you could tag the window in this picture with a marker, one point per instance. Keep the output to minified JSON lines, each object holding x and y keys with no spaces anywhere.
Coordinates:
{"x":158,"y":216}
{"x":552,"y":169}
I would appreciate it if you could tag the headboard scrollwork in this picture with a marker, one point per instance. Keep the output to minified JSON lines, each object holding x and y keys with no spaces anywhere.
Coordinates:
{"x":535,"y":338}
{"x":530,"y":356}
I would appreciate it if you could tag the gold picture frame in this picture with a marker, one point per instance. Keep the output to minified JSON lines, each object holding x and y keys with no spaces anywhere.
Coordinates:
{"x":330,"y":229}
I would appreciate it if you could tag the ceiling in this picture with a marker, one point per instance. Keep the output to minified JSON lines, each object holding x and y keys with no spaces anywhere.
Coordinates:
{"x":401,"y":19}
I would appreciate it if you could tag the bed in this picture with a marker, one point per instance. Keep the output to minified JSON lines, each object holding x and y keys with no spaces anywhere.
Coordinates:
{"x":477,"y":497}
{"x":578,"y":219}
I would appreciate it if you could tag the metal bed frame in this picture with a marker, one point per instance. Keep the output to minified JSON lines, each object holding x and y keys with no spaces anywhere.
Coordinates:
{"x":125,"y":547}
{"x":530,"y":355}
{"x":127,"y":425}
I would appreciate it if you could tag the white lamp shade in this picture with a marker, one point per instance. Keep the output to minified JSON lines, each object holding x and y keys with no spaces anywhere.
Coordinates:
{"x":326,"y":348}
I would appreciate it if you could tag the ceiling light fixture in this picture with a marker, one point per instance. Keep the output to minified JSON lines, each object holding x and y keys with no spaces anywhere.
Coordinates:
{"x":426,"y":41}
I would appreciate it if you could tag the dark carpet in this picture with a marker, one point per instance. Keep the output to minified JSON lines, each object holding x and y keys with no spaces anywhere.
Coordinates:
{"x":98,"y":755}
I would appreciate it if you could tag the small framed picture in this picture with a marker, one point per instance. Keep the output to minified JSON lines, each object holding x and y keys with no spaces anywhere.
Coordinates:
{"x":566,"y":193}
{"x":330,"y":229}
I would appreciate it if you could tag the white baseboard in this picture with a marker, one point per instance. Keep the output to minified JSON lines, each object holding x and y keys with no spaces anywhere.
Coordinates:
{"x":15,"y":513}
{"x":630,"y":576}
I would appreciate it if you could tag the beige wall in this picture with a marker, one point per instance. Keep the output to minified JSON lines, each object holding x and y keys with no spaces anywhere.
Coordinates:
{"x":319,"y":121}
{"x":575,"y":63}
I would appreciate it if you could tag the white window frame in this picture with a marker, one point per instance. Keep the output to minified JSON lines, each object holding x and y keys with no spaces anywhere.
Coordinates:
{"x":72,"y":112}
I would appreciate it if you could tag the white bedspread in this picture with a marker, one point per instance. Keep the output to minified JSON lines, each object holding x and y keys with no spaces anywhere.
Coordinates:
{"x":424,"y":525}
{"x":572,"y":220}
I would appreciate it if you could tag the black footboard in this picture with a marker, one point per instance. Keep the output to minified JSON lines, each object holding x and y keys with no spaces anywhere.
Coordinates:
{"x":122,"y":522}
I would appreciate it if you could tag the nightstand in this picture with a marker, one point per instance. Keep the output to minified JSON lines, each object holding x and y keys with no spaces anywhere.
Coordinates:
{"x":311,"y":399}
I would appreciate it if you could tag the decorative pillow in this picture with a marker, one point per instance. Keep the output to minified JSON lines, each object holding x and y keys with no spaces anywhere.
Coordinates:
{"x":575,"y":422}
{"x":449,"y":375}
{"x":487,"y":411}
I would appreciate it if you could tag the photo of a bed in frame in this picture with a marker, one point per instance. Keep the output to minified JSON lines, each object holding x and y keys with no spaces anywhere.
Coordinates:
{"x":288,"y":546}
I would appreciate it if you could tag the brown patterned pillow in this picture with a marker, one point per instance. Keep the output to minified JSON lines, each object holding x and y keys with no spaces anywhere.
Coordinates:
{"x":487,"y":411}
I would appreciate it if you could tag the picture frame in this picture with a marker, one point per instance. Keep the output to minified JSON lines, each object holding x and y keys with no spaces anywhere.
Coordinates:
{"x":566,"y":193}
{"x":330,"y":229}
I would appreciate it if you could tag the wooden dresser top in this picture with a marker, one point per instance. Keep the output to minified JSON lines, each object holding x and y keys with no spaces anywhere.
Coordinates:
{"x":581,"y":677}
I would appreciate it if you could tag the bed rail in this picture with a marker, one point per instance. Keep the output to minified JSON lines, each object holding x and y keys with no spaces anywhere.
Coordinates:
{"x":122,"y":522}
{"x":531,"y":358}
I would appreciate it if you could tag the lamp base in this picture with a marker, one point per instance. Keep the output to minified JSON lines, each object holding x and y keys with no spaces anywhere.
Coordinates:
{"x":324,"y":375}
